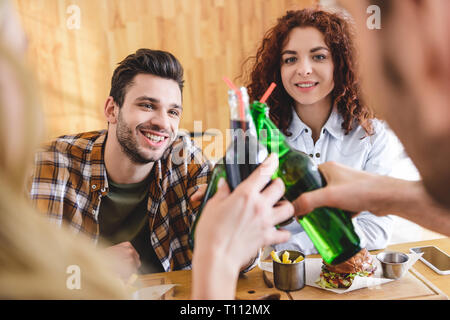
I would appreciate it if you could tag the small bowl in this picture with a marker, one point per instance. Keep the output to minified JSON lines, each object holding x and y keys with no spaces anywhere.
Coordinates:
{"x":393,"y":264}
{"x":289,"y":277}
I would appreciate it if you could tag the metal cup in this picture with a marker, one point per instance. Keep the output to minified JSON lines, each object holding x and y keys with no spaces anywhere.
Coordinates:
{"x":393,"y":264}
{"x":289,"y":277}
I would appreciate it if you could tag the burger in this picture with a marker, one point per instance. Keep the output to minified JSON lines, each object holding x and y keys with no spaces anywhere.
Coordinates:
{"x":342,"y":275}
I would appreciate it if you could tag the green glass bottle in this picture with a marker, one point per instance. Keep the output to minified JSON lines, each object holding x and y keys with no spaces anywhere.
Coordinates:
{"x":331,"y":230}
{"x":218,"y":172}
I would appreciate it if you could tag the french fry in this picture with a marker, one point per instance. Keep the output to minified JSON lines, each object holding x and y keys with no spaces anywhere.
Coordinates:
{"x":285,"y":257}
{"x":275,"y":257}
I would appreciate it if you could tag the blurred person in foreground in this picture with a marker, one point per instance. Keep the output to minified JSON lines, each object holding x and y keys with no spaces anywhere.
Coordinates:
{"x":407,"y":79}
{"x":35,"y":256}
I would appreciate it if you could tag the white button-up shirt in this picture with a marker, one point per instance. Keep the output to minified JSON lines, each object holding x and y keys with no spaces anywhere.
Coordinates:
{"x":376,"y":153}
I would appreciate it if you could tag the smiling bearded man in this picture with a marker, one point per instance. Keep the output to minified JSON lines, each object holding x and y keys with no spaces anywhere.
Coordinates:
{"x":129,"y":186}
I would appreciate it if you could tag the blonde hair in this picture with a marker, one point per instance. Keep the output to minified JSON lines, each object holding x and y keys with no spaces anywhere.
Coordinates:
{"x":35,"y":255}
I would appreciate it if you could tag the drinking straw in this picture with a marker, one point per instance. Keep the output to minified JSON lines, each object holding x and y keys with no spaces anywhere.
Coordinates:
{"x":239,"y":95}
{"x":230,"y":84}
{"x":268,"y":92}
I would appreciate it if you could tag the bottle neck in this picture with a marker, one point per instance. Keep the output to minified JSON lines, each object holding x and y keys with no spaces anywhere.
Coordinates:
{"x":244,"y":147}
{"x":240,"y":117}
{"x":268,"y":133}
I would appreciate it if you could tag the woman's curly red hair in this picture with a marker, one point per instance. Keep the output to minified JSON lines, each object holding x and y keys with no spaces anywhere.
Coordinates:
{"x":346,"y":95}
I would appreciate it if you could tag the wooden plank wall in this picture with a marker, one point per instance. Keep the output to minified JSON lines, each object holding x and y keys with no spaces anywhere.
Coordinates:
{"x":75,"y":45}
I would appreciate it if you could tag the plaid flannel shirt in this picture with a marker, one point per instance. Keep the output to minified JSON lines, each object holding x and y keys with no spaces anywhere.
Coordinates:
{"x":70,"y":179}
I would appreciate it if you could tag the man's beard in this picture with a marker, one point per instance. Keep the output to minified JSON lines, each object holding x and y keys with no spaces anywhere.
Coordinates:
{"x":129,"y":145}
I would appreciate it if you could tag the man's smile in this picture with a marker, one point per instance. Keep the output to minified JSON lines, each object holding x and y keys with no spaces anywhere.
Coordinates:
{"x":153,"y":138}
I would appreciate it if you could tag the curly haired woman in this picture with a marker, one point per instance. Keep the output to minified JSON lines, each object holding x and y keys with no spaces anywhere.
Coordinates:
{"x":317,"y":103}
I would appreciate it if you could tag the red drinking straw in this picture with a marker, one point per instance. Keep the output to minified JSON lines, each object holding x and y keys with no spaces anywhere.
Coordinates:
{"x":268,"y":92}
{"x":239,"y":95}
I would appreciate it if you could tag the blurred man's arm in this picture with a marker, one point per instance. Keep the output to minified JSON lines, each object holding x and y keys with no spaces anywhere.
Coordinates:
{"x":358,"y":191}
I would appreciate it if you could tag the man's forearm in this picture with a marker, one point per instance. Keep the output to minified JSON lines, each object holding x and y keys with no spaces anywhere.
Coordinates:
{"x":358,"y":191}
{"x":409,"y":200}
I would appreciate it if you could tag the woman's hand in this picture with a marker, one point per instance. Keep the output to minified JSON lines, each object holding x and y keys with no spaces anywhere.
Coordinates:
{"x":233,"y":227}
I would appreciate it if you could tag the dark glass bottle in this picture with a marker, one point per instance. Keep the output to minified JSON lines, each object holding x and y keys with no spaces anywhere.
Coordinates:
{"x":218,"y":172}
{"x":243,"y":155}
{"x":331,"y":230}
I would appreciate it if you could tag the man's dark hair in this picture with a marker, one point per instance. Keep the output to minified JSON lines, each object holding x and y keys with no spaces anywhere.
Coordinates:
{"x":159,"y":63}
